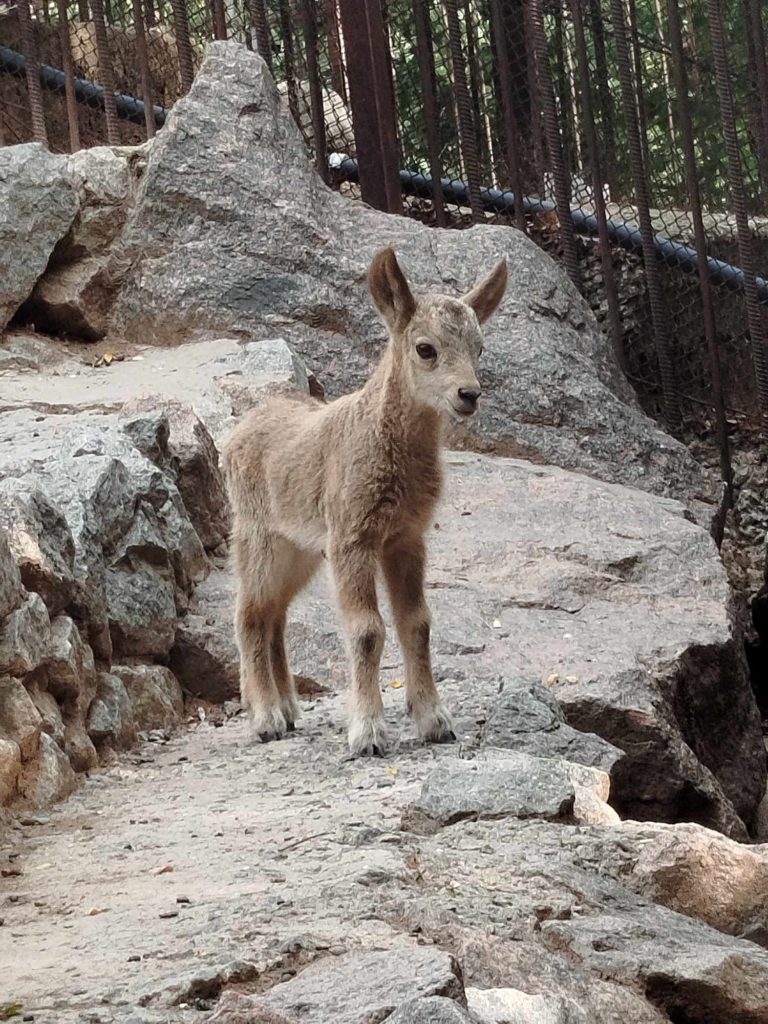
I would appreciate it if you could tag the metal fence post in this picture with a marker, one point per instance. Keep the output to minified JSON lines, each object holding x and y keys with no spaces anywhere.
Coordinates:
{"x":183,"y":45}
{"x":426,"y":54}
{"x":738,"y":196}
{"x":29,"y":46}
{"x":554,"y":145}
{"x":705,"y":284}
{"x":106,"y":74}
{"x":371,"y":95}
{"x":466,"y":121}
{"x":316,"y":108}
{"x":143,"y":61}
{"x":69,"y":76}
{"x":659,"y":317}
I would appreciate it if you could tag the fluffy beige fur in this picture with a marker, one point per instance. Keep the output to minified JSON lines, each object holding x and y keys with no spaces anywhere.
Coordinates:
{"x":356,"y":480}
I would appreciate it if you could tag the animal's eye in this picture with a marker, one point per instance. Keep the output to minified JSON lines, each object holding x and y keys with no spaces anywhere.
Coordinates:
{"x":426,"y":351}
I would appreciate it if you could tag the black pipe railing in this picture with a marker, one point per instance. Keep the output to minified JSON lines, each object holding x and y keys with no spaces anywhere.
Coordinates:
{"x":87,"y":93}
{"x":493,"y":200}
{"x":627,"y":236}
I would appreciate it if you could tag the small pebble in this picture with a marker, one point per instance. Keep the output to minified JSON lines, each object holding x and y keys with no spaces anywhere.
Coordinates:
{"x":135,"y":959}
{"x":168,"y":913}
{"x":183,"y":899}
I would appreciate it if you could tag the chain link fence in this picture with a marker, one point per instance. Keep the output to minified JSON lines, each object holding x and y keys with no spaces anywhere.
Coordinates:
{"x":629,"y":138}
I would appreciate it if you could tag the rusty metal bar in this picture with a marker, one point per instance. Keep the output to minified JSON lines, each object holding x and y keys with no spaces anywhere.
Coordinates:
{"x":426,"y":55}
{"x":315,"y":88}
{"x":659,"y":318}
{"x":637,"y":62}
{"x":183,"y":44}
{"x":475,"y":89}
{"x":511,"y":133}
{"x":286,"y":30}
{"x":372,"y":98}
{"x":694,"y":196}
{"x":607,"y":116}
{"x":606,"y":257}
{"x":106,"y":74}
{"x":554,"y":145}
{"x":338,"y":78}
{"x":756,"y":35}
{"x":738,"y":197}
{"x":466,"y":123}
{"x":534,"y":90}
{"x":261,"y":29}
{"x":218,"y":19}
{"x":29,"y":46}
{"x":69,"y":76}
{"x":142,"y":56}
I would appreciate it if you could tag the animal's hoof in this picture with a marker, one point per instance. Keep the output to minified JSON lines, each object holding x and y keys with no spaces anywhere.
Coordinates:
{"x":368,"y":738}
{"x":268,"y":725}
{"x":435,"y":726}
{"x":290,"y":726}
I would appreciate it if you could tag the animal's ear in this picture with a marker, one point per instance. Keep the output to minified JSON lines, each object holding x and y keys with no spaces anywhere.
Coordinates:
{"x":389,"y":289}
{"x":486,"y":296}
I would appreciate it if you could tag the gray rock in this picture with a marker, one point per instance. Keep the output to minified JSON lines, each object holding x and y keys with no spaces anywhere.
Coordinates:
{"x":45,"y":702}
{"x":364,"y":986}
{"x":182,"y":443}
{"x":24,"y":638}
{"x":554,"y":393}
{"x":10,"y":768}
{"x":110,"y":716}
{"x":79,"y":747}
{"x":71,"y":297}
{"x":510,"y":1006}
{"x":20,"y":721}
{"x":550,"y":921}
{"x":40,"y":540}
{"x":204,"y":658}
{"x":142,"y":611}
{"x":69,"y":665}
{"x":49,"y":777}
{"x":39,"y":203}
{"x":154,"y":694}
{"x":526,"y":717}
{"x":517,"y":786}
{"x":11,"y":590}
{"x":430,"y":1010}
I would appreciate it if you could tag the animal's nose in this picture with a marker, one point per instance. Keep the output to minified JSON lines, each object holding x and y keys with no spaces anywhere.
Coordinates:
{"x":469,"y":396}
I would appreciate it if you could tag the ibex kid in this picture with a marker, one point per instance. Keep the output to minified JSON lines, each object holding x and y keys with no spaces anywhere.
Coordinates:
{"x":356,"y":480}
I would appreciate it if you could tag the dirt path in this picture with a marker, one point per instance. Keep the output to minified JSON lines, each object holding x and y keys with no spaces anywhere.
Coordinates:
{"x":265,"y":844}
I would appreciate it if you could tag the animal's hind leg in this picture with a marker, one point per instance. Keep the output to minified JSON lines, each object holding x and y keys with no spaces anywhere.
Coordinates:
{"x":254,"y":623}
{"x":298,"y":567}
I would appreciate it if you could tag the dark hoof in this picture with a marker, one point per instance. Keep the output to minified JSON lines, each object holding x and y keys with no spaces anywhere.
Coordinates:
{"x":376,"y":751}
{"x":267,"y":737}
{"x":447,"y":737}
{"x":290,"y":726}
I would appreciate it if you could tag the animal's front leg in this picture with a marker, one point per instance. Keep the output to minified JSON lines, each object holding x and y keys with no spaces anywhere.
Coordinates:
{"x":354,"y":571}
{"x":404,"y":563}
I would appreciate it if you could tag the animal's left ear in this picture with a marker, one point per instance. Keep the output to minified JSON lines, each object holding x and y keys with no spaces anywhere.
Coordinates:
{"x":486,"y":296}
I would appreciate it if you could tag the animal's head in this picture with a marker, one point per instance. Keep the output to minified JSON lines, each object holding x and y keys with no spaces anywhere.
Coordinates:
{"x":437,"y":339}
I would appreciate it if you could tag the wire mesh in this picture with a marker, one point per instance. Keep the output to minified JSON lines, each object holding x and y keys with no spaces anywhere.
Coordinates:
{"x":541,"y":114}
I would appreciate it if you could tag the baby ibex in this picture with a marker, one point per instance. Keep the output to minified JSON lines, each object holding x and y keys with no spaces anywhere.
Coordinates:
{"x":356,"y":480}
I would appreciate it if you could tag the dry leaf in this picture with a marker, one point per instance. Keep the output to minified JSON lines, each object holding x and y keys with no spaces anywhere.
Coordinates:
{"x":394,"y":772}
{"x":108,"y":357}
{"x":554,"y":678}
{"x":396,"y":684}
{"x":96,"y":910}
{"x":166,"y":869}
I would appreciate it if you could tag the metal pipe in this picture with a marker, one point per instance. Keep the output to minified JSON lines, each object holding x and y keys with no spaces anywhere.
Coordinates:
{"x":87,"y":93}
{"x":494,"y":200}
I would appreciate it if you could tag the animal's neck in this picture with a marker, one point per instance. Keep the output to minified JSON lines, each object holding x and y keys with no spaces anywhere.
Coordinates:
{"x":398,"y":417}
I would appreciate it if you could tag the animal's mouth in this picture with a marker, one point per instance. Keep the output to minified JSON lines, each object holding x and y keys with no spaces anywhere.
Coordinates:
{"x":460,"y":415}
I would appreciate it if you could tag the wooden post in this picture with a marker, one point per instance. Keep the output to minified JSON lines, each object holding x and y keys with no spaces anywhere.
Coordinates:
{"x":372,"y":98}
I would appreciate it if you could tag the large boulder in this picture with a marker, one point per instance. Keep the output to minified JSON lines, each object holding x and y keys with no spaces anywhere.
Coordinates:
{"x":233,"y":231}
{"x":39,"y":201}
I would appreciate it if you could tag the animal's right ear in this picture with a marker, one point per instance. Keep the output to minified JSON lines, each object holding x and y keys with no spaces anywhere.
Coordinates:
{"x":390,"y":291}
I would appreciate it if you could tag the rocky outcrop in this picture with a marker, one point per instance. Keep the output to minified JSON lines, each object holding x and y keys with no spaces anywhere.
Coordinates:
{"x":100,"y":559}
